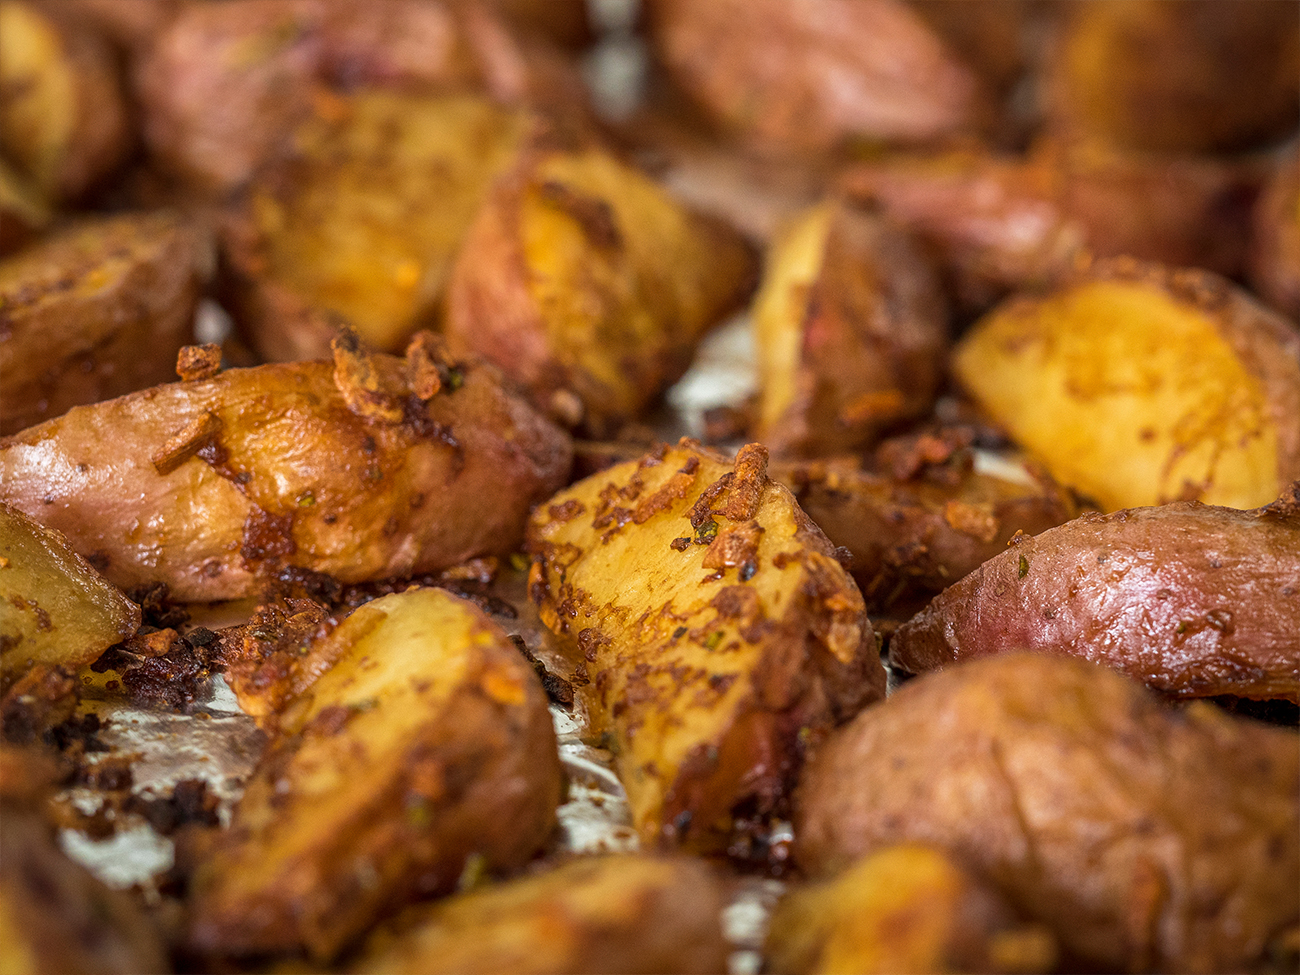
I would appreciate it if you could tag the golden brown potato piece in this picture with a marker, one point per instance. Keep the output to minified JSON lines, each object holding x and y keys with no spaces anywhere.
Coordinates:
{"x":1275,"y":249}
{"x":23,"y":211}
{"x":590,"y":286}
{"x":712,"y":632}
{"x":1194,"y":600}
{"x":633,"y":913}
{"x":1136,"y":384}
{"x":95,"y":310}
{"x":363,"y":221}
{"x":54,"y":608}
{"x":1177,"y":75}
{"x":913,"y":532}
{"x":905,"y":908}
{"x":1145,"y":838}
{"x":371,"y":468}
{"x":851,"y":329}
{"x":63,"y":122}
{"x":226,"y":83}
{"x":810,"y":78}
{"x":426,"y":742}
{"x":1000,"y":222}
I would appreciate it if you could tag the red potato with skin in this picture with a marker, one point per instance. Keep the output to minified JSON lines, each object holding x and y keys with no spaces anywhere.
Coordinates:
{"x":1192,"y":599}
{"x":373,"y":468}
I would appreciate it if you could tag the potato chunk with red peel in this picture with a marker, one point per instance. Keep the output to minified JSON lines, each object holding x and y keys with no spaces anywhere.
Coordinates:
{"x":633,"y":913}
{"x":905,"y":908}
{"x":1136,"y":384}
{"x":427,"y":741}
{"x":1193,"y":600}
{"x":712,"y":632}
{"x":1146,"y":838}
{"x":343,"y":470}
{"x":590,"y":286}
{"x":55,"y":610}
{"x":852,"y":330}
{"x":95,"y":310}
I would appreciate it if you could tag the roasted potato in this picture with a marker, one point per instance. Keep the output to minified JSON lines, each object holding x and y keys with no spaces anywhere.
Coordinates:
{"x":425,"y":742}
{"x":590,"y":286}
{"x":227,"y":83}
{"x":851,"y":329}
{"x":905,"y":908}
{"x":1145,"y":838}
{"x":133,"y":26}
{"x":632,"y":913}
{"x":1275,"y":247}
{"x":63,"y":121}
{"x":1176,"y":75}
{"x":23,"y":211}
{"x":999,"y":221}
{"x":374,"y":467}
{"x":54,"y":608}
{"x":363,"y":222}
{"x":809,"y":78}
{"x":1136,"y":384}
{"x":1193,"y":600}
{"x":705,"y":684}
{"x":915,"y":531}
{"x":97,"y":309}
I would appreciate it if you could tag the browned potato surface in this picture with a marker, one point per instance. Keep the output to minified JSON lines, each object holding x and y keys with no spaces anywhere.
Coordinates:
{"x":54,"y":608}
{"x":711,"y":629}
{"x":95,"y":310}
{"x":363,"y":221}
{"x":226,"y":83}
{"x":913,"y":533}
{"x":426,"y":742}
{"x":1173,"y":75}
{"x":851,"y":329}
{"x":132,"y":26}
{"x":1194,"y":600}
{"x":590,"y":286}
{"x":23,"y":212}
{"x":813,"y":77}
{"x":905,"y":908}
{"x":1136,"y":384}
{"x":632,"y":913}
{"x":1146,"y":838}
{"x":63,"y":121}
{"x":1275,"y":249}
{"x":374,"y":467}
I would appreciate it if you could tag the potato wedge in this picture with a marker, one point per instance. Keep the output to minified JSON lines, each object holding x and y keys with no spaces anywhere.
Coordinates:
{"x":426,"y":742}
{"x":1136,"y":384}
{"x":808,"y":78}
{"x":1180,"y":75}
{"x":1147,"y":839}
{"x":1275,"y":248}
{"x":96,"y":310}
{"x":851,"y":328}
{"x":631,"y":913}
{"x":54,"y":608}
{"x":705,"y":683}
{"x":63,"y":120}
{"x":226,"y":84}
{"x":363,"y":221}
{"x":1191,"y":599}
{"x":904,"y":908}
{"x":375,"y":467}
{"x":590,"y":286}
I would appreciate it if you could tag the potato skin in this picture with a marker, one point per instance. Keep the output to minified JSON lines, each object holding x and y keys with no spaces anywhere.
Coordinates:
{"x":1275,"y":247}
{"x":631,"y":913}
{"x":855,"y":301}
{"x":428,"y":740}
{"x":1193,"y":600}
{"x":706,"y":687}
{"x":810,"y":78}
{"x":1146,"y":838}
{"x":1137,"y":384}
{"x":590,"y":286}
{"x":96,"y":310}
{"x":273,"y":468}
